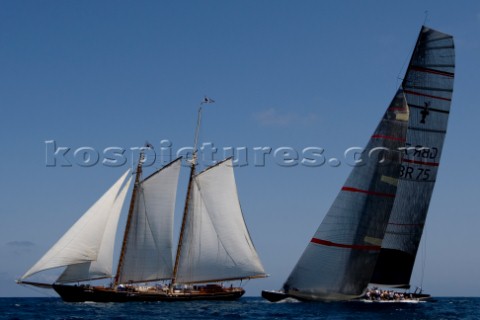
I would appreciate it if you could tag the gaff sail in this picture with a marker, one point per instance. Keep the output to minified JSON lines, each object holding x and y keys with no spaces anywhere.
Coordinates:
{"x":149,"y":242}
{"x":216,"y":245}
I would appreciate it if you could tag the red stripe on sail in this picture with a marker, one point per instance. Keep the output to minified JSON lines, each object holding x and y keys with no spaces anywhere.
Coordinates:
{"x":433,"y":71}
{"x":346,"y":246}
{"x":433,"y":164}
{"x":426,"y":95}
{"x":381,"y":194}
{"x":379,"y":136}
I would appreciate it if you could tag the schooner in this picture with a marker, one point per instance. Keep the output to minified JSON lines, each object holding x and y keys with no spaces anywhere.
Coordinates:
{"x":214,"y":245}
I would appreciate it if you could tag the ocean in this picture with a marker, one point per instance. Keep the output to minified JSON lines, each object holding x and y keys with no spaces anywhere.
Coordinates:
{"x":244,"y":308}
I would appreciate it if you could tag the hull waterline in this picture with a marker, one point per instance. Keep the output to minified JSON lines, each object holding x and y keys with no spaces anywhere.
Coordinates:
{"x":70,"y":293}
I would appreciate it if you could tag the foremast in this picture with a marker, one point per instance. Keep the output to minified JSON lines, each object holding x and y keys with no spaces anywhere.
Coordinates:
{"x":131,"y":209}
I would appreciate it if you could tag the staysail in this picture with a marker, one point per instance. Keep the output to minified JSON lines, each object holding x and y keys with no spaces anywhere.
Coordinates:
{"x":339,"y":260}
{"x":148,"y":246}
{"x":102,"y":267}
{"x":87,"y":247}
{"x":428,"y":86}
{"x":216,"y":245}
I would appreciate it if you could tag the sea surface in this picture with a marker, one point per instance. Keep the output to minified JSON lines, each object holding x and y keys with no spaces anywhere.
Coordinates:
{"x":245,"y":308}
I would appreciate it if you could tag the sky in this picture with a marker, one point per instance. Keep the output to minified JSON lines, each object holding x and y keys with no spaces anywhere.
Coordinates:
{"x":91,"y":75}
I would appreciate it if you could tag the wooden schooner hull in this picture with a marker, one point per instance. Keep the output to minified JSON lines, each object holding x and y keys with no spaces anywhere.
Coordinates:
{"x":83,"y":293}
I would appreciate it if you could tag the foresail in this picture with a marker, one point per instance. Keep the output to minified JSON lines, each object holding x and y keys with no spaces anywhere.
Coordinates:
{"x":83,"y":241}
{"x":216,"y":245}
{"x":428,"y":86}
{"x":102,"y":266}
{"x":339,"y":260}
{"x":148,"y":250}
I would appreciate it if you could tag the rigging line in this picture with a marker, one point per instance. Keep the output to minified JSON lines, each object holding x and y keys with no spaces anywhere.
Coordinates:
{"x":426,"y":17}
{"x":405,"y":61}
{"x":409,"y":59}
{"x":40,"y":291}
{"x":424,"y":257}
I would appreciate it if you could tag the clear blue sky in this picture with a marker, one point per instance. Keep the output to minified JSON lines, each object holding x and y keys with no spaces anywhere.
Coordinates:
{"x":283,"y":73}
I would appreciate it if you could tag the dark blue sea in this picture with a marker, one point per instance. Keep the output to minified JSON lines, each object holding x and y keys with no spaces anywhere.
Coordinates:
{"x":245,"y":308}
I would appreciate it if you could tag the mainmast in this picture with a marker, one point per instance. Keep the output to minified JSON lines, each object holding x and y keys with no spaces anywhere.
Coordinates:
{"x":138,"y":174}
{"x":193,"y":164}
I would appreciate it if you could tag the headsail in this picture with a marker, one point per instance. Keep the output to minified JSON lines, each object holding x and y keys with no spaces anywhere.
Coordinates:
{"x":102,"y":267}
{"x":90,"y":239}
{"x":216,"y":245}
{"x":148,"y":247}
{"x":428,"y":86}
{"x":339,"y":260}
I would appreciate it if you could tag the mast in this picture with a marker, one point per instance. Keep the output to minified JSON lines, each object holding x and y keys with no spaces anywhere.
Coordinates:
{"x":129,"y":217}
{"x":189,"y":190}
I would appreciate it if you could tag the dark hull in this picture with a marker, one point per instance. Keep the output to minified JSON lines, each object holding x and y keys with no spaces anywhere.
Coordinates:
{"x":422,"y":296}
{"x":101,"y":294}
{"x":274,"y":296}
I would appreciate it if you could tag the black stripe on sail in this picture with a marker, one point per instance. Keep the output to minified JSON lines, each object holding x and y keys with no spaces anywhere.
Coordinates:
{"x":438,"y":48}
{"x":437,"y":39}
{"x":429,"y":88}
{"x":399,"y":233}
{"x":432,"y":71}
{"x":429,"y":109}
{"x":427,"y":130}
{"x":439,"y":65}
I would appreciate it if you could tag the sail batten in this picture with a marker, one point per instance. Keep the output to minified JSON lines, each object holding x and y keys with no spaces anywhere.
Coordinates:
{"x":430,"y":109}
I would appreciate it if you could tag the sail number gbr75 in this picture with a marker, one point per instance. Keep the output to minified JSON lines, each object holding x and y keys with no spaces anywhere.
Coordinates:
{"x":418,"y":162}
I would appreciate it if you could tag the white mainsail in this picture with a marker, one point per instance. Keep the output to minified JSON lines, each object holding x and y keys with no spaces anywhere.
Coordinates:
{"x":148,"y":250}
{"x":83,"y":242}
{"x":216,"y":245}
